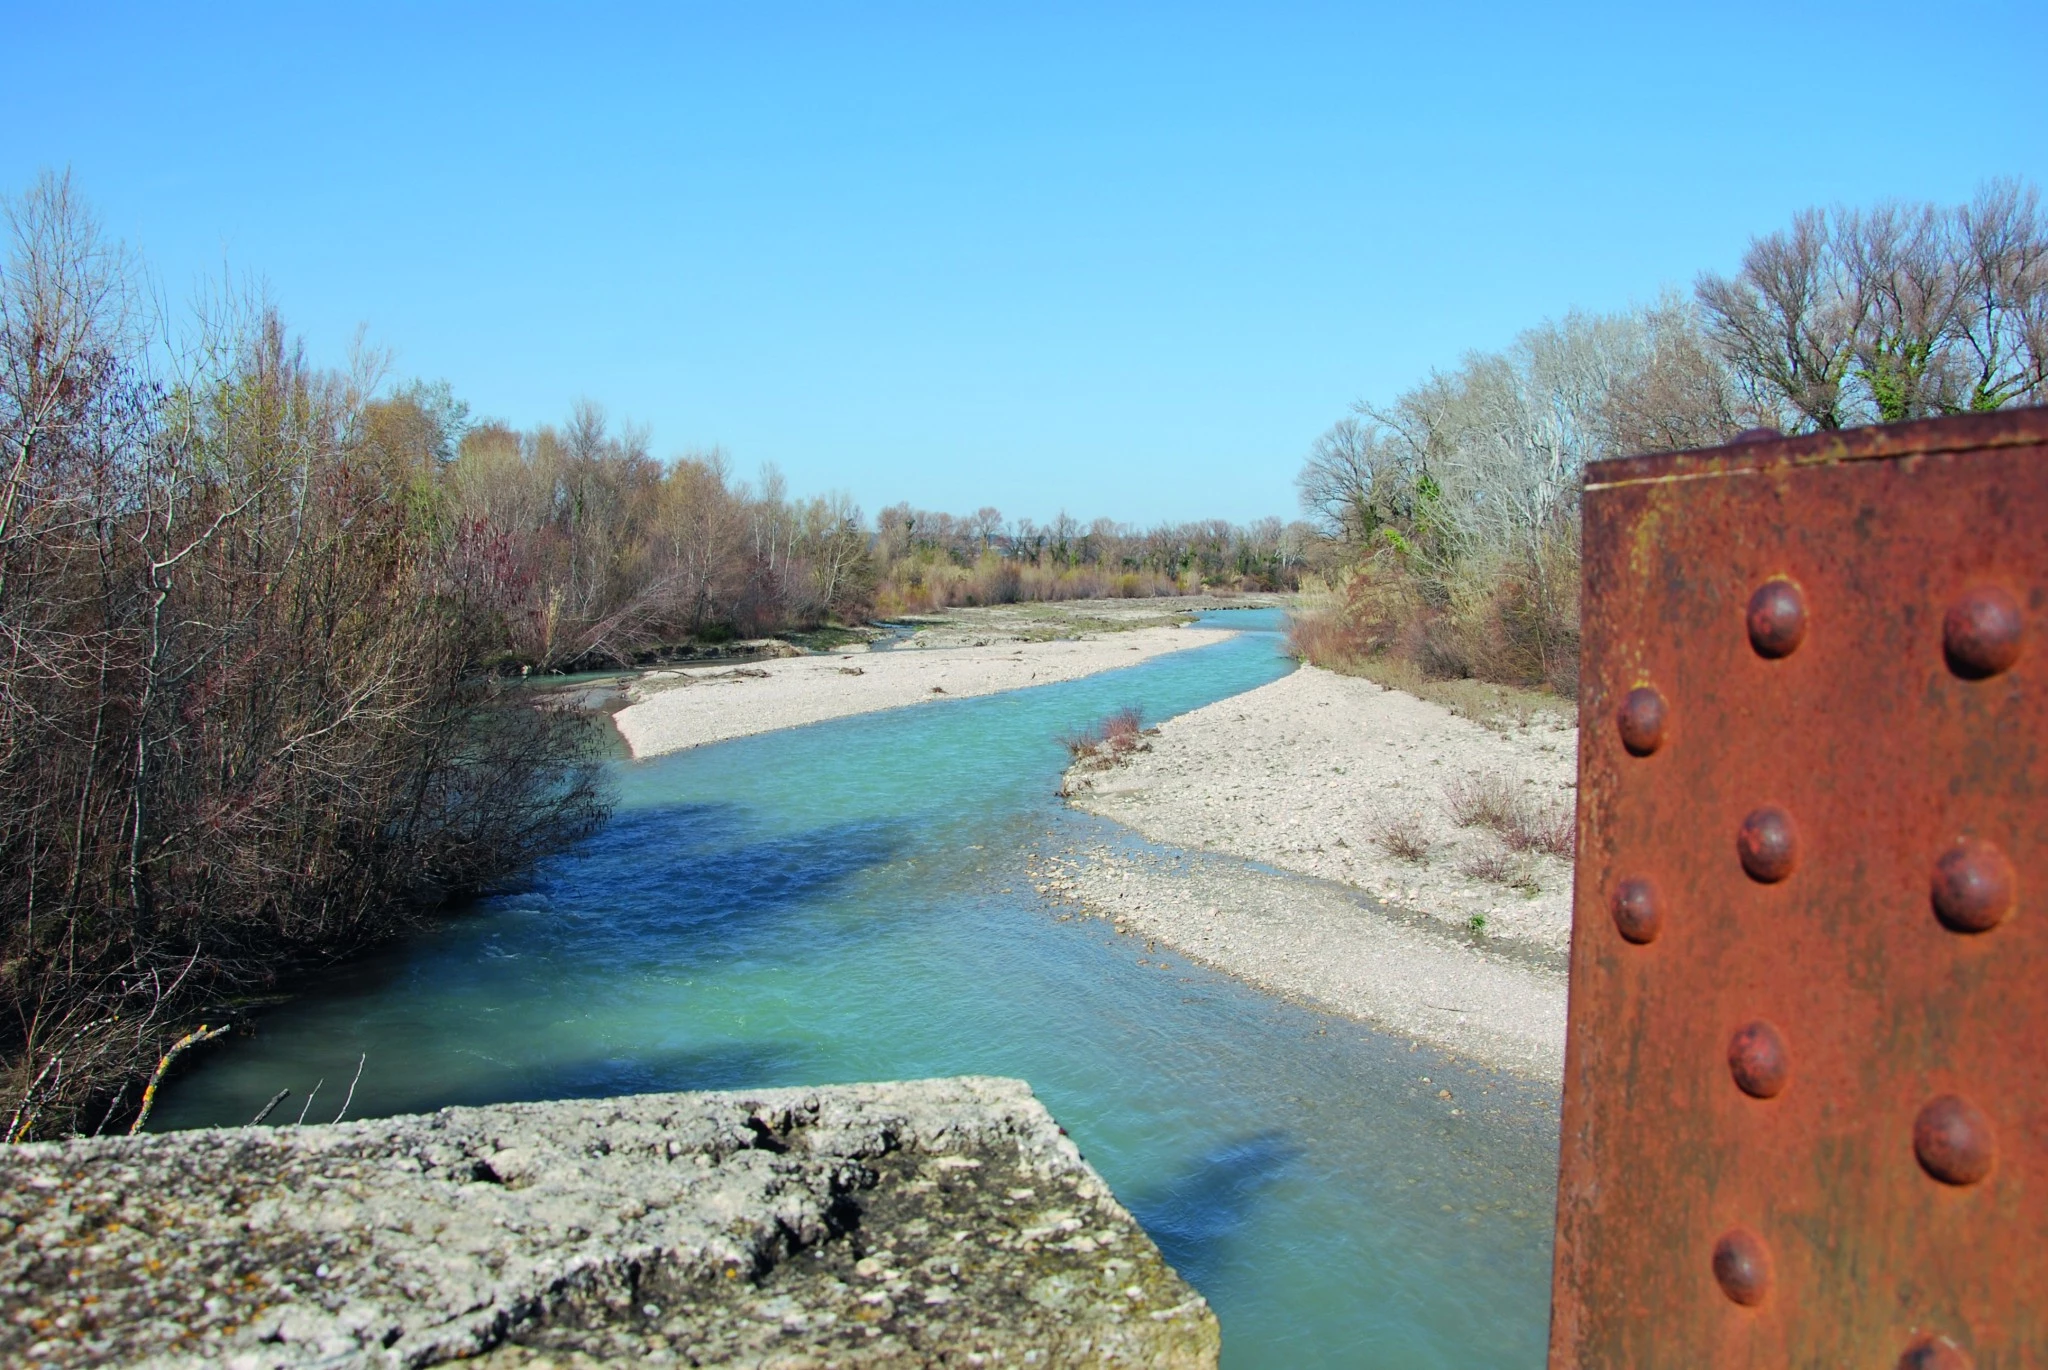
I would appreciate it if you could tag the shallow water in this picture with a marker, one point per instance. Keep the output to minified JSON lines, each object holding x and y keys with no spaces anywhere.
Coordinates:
{"x":849,"y":902}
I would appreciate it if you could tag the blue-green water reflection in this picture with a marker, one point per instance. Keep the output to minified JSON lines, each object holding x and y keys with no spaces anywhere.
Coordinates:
{"x":849,"y":902}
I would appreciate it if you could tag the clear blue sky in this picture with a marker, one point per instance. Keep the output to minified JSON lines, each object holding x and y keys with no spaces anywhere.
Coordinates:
{"x":1122,"y":259}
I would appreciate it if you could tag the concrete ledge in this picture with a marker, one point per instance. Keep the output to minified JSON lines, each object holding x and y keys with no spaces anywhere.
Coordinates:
{"x":923,"y":1223}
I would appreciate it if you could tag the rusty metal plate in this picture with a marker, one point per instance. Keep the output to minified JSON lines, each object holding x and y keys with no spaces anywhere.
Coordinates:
{"x":1806,"y":1086}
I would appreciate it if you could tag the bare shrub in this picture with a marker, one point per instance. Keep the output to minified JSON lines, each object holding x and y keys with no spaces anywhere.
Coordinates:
{"x":1114,"y":737}
{"x":1081,"y":745}
{"x":1496,"y":802}
{"x":1552,"y":830}
{"x":1485,"y":801}
{"x":1122,"y":729}
{"x":1319,"y":633}
{"x":1361,"y":632}
{"x":243,"y":716}
{"x":1503,"y":868}
{"x":1404,"y":838}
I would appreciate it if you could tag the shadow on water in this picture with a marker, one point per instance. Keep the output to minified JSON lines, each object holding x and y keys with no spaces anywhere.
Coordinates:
{"x":494,"y":992}
{"x":1196,"y":1215}
{"x":706,"y":886}
{"x":734,"y":1066}
{"x":705,"y":861}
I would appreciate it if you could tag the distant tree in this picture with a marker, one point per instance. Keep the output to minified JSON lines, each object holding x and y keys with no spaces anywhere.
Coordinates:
{"x":987,"y":526}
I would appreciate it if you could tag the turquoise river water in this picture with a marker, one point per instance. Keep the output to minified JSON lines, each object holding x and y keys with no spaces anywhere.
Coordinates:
{"x":849,"y":902}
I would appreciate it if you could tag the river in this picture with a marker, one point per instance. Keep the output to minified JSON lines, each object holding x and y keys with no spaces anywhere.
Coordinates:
{"x":849,"y":901}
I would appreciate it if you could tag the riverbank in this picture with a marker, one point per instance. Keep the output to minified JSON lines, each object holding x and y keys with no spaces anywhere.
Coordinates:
{"x":1354,"y":847}
{"x":961,"y":654}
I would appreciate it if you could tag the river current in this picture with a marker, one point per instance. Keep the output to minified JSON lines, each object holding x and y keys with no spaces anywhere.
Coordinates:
{"x":849,"y":901}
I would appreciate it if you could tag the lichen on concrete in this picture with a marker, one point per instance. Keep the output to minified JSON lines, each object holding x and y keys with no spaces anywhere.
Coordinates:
{"x":936,"y":1222}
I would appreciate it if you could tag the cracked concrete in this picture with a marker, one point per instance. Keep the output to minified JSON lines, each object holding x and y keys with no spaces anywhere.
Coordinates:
{"x":921,"y":1223}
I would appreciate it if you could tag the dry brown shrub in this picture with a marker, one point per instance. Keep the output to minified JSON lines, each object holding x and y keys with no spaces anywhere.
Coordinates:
{"x":1363,"y":633}
{"x":1122,"y":729}
{"x":1552,"y":831}
{"x":1405,"y":838}
{"x":1485,"y":801}
{"x":1117,"y":734}
{"x":244,"y":720}
{"x":1503,"y":868}
{"x":1495,"y":801}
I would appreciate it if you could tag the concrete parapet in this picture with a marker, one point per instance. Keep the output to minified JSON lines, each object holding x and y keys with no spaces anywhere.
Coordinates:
{"x":910,"y":1224}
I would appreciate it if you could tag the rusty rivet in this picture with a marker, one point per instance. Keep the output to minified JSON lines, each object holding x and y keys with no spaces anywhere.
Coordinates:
{"x":1742,"y":1267}
{"x":1749,"y":435}
{"x":1981,"y":634}
{"x":1952,"y":1138}
{"x":1768,"y":844}
{"x":1928,"y":1352}
{"x":1642,"y":721}
{"x":1972,"y":886}
{"x":1758,"y":1060}
{"x":1777,"y":618}
{"x":1638,"y":912}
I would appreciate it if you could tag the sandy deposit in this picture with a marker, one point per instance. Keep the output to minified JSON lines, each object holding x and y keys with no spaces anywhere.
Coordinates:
{"x":1313,"y":777}
{"x":674,"y":710}
{"x":1329,"y":946}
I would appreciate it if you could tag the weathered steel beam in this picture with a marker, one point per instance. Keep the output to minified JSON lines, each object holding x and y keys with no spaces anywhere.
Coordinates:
{"x":1806,"y":1084}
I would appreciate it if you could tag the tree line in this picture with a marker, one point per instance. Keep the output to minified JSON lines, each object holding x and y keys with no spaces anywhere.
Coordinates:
{"x":1448,"y":517}
{"x":585,"y":552}
{"x":927,"y":561}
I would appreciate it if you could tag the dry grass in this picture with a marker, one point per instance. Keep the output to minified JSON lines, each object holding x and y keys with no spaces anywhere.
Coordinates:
{"x":1485,"y":801}
{"x":1501,"y":867}
{"x":1323,"y":633}
{"x":1553,"y":831}
{"x":1525,"y":825}
{"x":1115,"y":737}
{"x":1499,"y":707}
{"x":1405,"y":838}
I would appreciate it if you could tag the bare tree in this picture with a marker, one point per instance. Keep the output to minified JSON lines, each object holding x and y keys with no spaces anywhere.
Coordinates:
{"x":1897,"y":312}
{"x":1901,"y":261}
{"x":2003,"y":349}
{"x":1454,"y":507}
{"x":1677,"y":393}
{"x":1788,"y":321}
{"x":1356,"y":481}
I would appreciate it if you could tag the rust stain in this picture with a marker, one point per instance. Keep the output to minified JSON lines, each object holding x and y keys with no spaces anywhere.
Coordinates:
{"x":1806,"y":1103}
